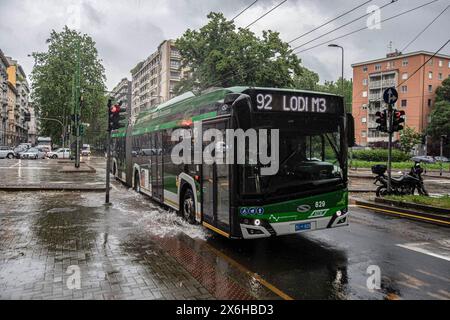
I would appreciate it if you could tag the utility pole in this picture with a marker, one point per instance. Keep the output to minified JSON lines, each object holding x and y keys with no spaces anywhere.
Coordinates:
{"x":390,"y":97}
{"x":442,"y":154}
{"x":391,"y":133}
{"x":78,"y":100}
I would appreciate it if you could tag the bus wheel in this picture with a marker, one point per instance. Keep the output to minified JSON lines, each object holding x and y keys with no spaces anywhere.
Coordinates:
{"x":137,"y":183}
{"x":188,"y":206}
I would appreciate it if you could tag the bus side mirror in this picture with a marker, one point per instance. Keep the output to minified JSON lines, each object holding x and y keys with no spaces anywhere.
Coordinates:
{"x":350,"y":131}
{"x":242,"y":111}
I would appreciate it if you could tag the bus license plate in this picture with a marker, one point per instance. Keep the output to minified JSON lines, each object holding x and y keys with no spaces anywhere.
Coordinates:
{"x":303,"y":226}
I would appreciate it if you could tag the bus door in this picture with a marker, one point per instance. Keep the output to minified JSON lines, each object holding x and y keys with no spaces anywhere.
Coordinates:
{"x":157,"y":166}
{"x":215,"y":183}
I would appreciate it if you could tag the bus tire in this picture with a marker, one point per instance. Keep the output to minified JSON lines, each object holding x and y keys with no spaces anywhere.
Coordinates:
{"x":137,"y":182}
{"x":187,"y":208}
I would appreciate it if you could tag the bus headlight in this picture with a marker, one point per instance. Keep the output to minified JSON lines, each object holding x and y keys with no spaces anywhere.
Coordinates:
{"x":257,"y":222}
{"x":339,"y":213}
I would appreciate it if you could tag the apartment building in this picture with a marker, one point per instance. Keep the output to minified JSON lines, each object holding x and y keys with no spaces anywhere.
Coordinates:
{"x":154,"y":79}
{"x":17,"y":107}
{"x":417,"y":91}
{"x":122,"y":92}
{"x":4,"y":64}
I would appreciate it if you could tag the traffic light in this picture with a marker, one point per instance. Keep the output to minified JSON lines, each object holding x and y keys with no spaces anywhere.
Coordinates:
{"x":382,"y":121}
{"x":399,"y":119}
{"x":82,"y":130}
{"x":116,"y":116}
{"x":27,"y":117}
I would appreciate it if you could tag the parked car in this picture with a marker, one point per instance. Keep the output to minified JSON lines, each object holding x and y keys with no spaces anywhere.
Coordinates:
{"x":26,"y":146}
{"x":6,"y":152}
{"x":86,"y":150}
{"x":441,"y":159}
{"x":19,"y":150}
{"x":61,"y":153}
{"x":33,"y":153}
{"x":424,"y":159}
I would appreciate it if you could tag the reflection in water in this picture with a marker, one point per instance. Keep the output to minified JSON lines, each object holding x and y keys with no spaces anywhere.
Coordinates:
{"x":304,"y":268}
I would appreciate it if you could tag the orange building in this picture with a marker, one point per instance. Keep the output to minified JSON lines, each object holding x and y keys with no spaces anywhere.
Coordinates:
{"x":416,"y":91}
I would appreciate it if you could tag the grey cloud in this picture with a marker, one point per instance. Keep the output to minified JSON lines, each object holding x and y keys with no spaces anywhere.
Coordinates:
{"x":128,"y":31}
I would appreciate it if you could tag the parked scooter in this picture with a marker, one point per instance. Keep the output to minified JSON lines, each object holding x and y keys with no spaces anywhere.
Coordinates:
{"x":404,"y":185}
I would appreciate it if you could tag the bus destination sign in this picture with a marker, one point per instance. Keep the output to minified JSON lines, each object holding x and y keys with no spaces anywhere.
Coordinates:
{"x":294,"y":102}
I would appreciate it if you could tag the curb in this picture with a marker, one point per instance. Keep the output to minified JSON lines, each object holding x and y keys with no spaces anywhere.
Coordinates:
{"x":432,"y":218}
{"x":67,"y":169}
{"x":362,"y":191}
{"x":413,"y":206}
{"x":50,"y":187}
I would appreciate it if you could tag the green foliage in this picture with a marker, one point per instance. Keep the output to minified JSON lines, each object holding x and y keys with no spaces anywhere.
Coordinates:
{"x":443,"y":202}
{"x":408,"y":139}
{"x":443,"y":92}
{"x":336,"y":88}
{"x":398,"y":165}
{"x":440,"y":120}
{"x":52,"y":80}
{"x":380,"y":155}
{"x":306,"y":80}
{"x":219,"y":55}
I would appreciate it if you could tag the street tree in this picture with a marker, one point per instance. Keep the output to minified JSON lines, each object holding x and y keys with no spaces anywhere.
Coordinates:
{"x":409,"y":138}
{"x":221,"y":55}
{"x":52,"y":82}
{"x":443,"y":91}
{"x":440,"y":120}
{"x":335,"y":87}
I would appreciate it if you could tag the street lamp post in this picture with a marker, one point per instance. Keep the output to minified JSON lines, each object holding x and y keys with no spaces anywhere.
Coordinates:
{"x":342,"y":74}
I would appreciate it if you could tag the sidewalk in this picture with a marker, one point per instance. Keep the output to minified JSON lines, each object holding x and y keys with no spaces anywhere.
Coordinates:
{"x":48,"y":174}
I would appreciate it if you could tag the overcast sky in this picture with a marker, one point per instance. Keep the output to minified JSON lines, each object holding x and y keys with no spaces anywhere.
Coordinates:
{"x":126,"y":32}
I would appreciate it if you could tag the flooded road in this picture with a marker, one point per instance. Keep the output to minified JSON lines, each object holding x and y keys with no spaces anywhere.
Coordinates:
{"x":136,"y":249}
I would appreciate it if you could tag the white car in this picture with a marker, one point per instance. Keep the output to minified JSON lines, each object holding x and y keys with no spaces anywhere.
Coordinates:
{"x":6,"y":152}
{"x":61,"y":153}
{"x":33,"y":153}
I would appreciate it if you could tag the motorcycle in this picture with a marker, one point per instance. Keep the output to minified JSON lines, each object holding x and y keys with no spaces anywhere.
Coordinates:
{"x":404,"y":185}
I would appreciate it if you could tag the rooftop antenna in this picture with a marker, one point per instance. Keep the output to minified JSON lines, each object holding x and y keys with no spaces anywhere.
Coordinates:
{"x":390,"y":47}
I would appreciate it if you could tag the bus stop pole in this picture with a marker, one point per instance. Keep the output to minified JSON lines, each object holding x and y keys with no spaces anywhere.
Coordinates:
{"x":108,"y":165}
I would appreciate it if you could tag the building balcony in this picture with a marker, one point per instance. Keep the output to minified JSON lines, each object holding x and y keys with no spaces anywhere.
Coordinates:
{"x":375,"y":97}
{"x":382,"y":84}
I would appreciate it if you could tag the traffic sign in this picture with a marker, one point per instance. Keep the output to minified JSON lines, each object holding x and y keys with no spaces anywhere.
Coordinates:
{"x":390,"y":96}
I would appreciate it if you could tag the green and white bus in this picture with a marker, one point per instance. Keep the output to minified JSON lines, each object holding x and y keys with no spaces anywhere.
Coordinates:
{"x":309,"y":192}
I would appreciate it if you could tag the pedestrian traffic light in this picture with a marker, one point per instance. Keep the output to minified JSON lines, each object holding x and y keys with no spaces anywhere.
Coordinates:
{"x":116,"y":116}
{"x":399,"y":119}
{"x":382,"y":121}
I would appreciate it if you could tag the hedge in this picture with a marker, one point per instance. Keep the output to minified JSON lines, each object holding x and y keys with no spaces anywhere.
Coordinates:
{"x":380,"y":155}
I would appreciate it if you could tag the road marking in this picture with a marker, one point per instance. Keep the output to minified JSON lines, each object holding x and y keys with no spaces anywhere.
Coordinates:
{"x":17,"y":164}
{"x":255,"y":276}
{"x":405,"y":214}
{"x":433,"y":275}
{"x":422,"y":248}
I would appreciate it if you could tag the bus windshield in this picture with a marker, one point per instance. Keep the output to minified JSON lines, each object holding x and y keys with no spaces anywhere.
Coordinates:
{"x":307,"y":161}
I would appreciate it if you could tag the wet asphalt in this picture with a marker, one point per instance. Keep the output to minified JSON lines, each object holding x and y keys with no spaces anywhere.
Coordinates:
{"x":137,"y":249}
